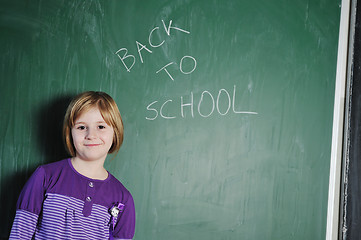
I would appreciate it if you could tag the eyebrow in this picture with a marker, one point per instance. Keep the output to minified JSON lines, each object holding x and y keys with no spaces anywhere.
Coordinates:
{"x":85,"y":122}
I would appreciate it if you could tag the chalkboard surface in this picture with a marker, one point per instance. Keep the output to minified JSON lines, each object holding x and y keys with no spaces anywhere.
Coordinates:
{"x":227,"y":107}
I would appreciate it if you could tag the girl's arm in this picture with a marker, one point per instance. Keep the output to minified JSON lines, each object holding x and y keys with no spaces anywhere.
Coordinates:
{"x":24,"y":225}
{"x":29,"y":206}
{"x":125,"y":227}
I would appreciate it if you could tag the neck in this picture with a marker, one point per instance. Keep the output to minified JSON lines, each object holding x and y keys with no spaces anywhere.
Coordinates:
{"x":90,"y":169}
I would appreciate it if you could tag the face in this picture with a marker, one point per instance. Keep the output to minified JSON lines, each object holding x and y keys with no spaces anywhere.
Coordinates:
{"x":92,"y":136}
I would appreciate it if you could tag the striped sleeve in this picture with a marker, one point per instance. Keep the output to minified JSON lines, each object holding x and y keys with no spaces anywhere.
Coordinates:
{"x":24,"y":225}
{"x":29,"y":206}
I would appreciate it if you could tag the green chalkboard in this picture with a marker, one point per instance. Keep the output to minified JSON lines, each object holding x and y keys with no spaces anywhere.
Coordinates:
{"x":227,"y":107}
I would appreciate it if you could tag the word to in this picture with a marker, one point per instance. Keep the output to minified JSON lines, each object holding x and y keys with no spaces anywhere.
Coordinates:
{"x":157,"y":110}
{"x":129,"y":60}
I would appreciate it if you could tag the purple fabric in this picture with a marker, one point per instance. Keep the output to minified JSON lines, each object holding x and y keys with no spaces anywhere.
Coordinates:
{"x":72,"y":206}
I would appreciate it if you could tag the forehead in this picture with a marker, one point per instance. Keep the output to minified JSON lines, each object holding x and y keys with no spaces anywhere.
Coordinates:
{"x":91,"y":114}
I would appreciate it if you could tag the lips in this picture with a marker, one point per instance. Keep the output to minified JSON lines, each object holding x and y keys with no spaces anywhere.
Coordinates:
{"x":92,"y":145}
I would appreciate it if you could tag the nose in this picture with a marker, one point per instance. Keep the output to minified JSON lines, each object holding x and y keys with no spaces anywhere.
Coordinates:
{"x":91,"y":134}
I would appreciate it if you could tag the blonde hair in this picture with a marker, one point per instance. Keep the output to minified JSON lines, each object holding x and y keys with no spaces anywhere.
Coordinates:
{"x":108,"y":109}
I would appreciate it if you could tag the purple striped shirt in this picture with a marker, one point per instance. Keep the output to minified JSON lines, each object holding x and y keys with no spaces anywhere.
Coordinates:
{"x":59,"y":203}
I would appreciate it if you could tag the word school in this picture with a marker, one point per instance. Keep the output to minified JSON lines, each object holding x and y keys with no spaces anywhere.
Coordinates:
{"x":157,"y":110}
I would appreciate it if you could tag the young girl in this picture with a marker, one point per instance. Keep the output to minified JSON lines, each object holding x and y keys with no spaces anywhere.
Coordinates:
{"x":77,"y":198}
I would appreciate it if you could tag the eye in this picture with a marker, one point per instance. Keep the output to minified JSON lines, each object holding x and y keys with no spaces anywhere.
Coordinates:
{"x":81,"y":127}
{"x":101,"y":127}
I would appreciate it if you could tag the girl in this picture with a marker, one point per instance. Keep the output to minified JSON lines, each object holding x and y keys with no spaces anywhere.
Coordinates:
{"x":77,"y":198}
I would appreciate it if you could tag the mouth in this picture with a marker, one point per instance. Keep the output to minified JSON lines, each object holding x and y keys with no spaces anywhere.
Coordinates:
{"x":92,"y":145}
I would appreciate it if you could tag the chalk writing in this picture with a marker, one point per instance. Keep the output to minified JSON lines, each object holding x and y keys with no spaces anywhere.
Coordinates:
{"x":129,"y":60}
{"x":180,"y":67}
{"x":157,"y":109}
{"x":208,"y":104}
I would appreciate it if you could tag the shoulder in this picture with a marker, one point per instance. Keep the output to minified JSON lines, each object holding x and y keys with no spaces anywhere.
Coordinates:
{"x":44,"y":171}
{"x":32,"y":195}
{"x":55,"y":172}
{"x":55,"y":165}
{"x":115,"y":186}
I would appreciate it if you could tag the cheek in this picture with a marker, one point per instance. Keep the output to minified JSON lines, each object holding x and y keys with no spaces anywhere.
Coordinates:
{"x":111,"y":135}
{"x":75,"y":137}
{"x":111,"y":138}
